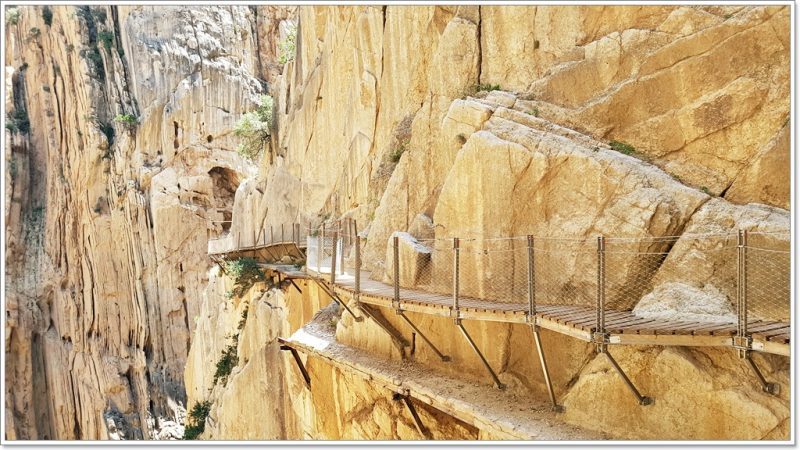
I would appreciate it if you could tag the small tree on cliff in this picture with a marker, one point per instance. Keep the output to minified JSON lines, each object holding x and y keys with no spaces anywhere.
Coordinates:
{"x":255,"y":128}
{"x":244,"y":272}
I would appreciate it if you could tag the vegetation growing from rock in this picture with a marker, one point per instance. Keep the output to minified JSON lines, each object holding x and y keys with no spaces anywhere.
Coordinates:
{"x":106,"y":37}
{"x":12,"y":16}
{"x":287,"y":46}
{"x":625,"y":149}
{"x":244,"y":272}
{"x":128,"y":120}
{"x":397,"y":152}
{"x":243,"y":320}
{"x":197,"y":420}
{"x":17,"y":121}
{"x":47,"y":15}
{"x":255,"y":128}
{"x":95,"y":61}
{"x":227,"y":361}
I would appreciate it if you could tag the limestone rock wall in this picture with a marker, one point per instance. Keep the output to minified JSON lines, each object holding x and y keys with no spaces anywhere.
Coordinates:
{"x":108,"y":223}
{"x":384,"y":116}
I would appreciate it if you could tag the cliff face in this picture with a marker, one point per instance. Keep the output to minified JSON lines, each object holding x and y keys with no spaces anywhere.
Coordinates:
{"x":375,"y":124}
{"x":107,"y":222}
{"x":115,"y":322}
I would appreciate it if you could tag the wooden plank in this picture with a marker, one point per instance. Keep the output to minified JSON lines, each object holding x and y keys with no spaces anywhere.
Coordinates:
{"x":673,"y":340}
{"x":775,"y":348}
{"x":573,"y":317}
{"x":616,"y":315}
{"x":766,"y":327}
{"x":626,"y":327}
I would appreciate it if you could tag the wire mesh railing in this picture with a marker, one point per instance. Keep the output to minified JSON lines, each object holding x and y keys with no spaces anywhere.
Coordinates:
{"x":735,"y":277}
{"x":256,"y":238}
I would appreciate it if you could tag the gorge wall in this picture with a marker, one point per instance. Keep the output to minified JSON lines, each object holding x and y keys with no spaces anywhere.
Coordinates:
{"x":115,"y":316}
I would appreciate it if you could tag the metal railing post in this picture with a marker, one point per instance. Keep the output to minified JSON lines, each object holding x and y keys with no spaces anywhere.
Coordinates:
{"x":396,"y":272}
{"x":531,"y":282}
{"x":283,"y":239}
{"x":320,"y":248}
{"x":742,"y":343}
{"x":601,"y":292}
{"x":238,"y":240}
{"x":271,"y":235}
{"x":254,"y":241}
{"x":455,"y":311}
{"x":744,"y":283}
{"x":358,"y":270}
{"x":333,"y":256}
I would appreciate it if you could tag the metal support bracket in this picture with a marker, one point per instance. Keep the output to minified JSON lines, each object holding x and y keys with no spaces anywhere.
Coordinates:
{"x":769,"y":388}
{"x":442,"y":356}
{"x":397,"y":339}
{"x":475,"y":348}
{"x":421,"y":429}
{"x":300,"y":364}
{"x":743,"y":344}
{"x":538,"y":340}
{"x":295,"y":285}
{"x":336,"y":298}
{"x":643,"y":400}
{"x":601,"y":341}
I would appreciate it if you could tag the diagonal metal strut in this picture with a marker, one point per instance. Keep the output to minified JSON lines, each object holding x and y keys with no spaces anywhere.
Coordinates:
{"x":770,"y":388}
{"x":397,"y":339}
{"x":423,"y":431}
{"x":497,"y":382}
{"x":441,"y":356}
{"x":538,"y":340}
{"x":643,"y":400}
{"x":336,"y":298}
{"x":300,"y":364}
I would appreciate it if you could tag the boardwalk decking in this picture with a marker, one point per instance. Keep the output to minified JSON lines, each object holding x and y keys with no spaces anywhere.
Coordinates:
{"x":593,"y":323}
{"x":574,"y":320}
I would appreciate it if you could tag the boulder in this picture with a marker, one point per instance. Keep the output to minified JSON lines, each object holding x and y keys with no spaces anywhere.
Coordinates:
{"x":414,"y":259}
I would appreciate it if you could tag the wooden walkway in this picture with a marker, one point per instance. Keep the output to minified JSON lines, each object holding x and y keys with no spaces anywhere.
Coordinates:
{"x":588,"y":322}
{"x":574,"y":320}
{"x":577,"y":321}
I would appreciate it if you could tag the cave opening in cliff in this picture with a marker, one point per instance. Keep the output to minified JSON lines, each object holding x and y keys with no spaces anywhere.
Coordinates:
{"x":226,"y":181}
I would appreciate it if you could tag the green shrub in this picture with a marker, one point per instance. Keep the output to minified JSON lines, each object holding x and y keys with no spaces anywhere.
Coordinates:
{"x":705,"y":190}
{"x":34,"y":32}
{"x":227,"y":362}
{"x":99,"y":14}
{"x":287,"y":46}
{"x":244,"y":272}
{"x":96,"y":62}
{"x":534,"y":112}
{"x":243,"y":321}
{"x":625,"y":149}
{"x":487,"y":87}
{"x":255,"y":128}
{"x":12,"y":167}
{"x":196,"y":422}
{"x":47,"y":15}
{"x":396,"y":153}
{"x":129,"y":120}
{"x":18,"y":122}
{"x":12,"y":15}
{"x":106,"y":37}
